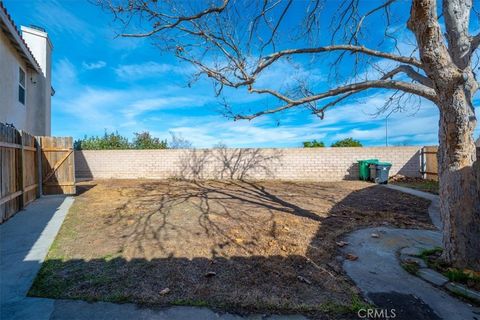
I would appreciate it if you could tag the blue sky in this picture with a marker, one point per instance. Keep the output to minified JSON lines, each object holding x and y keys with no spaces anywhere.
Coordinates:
{"x":128,"y":85}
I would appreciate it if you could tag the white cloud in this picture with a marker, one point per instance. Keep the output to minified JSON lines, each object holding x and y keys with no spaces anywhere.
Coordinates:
{"x":420,"y":126}
{"x":241,"y":134}
{"x":93,"y":109}
{"x":141,"y":106}
{"x":94,"y":65}
{"x":149,"y":69}
{"x":208,"y":132}
{"x":64,"y":74}
{"x":57,"y":19}
{"x":283,"y":74}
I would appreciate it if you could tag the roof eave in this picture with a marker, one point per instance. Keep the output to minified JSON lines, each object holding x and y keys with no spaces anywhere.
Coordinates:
{"x":17,"y":41}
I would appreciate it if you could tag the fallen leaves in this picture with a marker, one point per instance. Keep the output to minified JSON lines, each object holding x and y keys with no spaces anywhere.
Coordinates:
{"x":303,"y":279}
{"x":341,"y":243}
{"x":165,"y":291}
{"x":472,"y":273}
{"x":351,"y":257}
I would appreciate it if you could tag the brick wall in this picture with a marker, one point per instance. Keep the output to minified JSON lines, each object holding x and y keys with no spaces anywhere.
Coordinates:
{"x":321,"y":164}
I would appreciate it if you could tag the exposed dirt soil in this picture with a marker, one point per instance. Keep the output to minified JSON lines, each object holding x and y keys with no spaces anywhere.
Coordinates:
{"x":238,"y":246}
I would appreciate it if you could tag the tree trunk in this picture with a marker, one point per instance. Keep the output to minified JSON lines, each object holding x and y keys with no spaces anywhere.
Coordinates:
{"x":454,"y":82}
{"x":459,"y":177}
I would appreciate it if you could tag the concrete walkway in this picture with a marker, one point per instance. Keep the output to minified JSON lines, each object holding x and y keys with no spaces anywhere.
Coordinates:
{"x":382,"y":280}
{"x":25,"y":240}
{"x":433,"y":209}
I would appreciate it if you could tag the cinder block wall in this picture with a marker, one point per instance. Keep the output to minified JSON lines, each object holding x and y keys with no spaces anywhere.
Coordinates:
{"x":319,"y":164}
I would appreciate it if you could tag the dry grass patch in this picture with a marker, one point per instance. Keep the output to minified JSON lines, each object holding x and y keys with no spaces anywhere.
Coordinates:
{"x":242,"y":246}
{"x":430,"y":186}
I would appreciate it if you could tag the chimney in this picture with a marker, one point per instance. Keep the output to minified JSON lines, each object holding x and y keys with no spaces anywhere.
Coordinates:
{"x":39,"y":44}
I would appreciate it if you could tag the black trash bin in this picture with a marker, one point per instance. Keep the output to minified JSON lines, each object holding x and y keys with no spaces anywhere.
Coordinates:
{"x":364,"y":170}
{"x":379,"y":172}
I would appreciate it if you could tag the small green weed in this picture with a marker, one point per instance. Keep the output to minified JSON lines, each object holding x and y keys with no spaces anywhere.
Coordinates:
{"x":411,"y":267}
{"x":430,"y":252}
{"x":190,"y":302}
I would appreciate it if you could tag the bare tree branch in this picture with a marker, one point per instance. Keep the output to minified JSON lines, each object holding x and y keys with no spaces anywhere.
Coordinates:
{"x":321,"y":111}
{"x":417,"y":89}
{"x":456,"y":14}
{"x":351,"y":48}
{"x":369,"y":13}
{"x":236,"y":68}
{"x":423,"y":22}
{"x":409,"y":71}
{"x":475,"y":42}
{"x":177,"y":20}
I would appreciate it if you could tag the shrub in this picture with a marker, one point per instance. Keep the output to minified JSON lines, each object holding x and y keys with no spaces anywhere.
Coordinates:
{"x":348,"y":142}
{"x":313,"y":144}
{"x":144,"y":140}
{"x":114,"y":141}
{"x":109,"y":141}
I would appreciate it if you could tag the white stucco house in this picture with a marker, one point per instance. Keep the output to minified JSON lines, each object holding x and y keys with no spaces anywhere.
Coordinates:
{"x":25,"y":76}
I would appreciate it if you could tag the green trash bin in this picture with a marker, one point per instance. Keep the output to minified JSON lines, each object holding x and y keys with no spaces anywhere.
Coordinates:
{"x":364,"y":170}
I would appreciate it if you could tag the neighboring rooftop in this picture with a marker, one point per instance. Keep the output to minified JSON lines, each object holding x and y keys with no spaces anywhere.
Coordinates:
{"x":13,"y":34}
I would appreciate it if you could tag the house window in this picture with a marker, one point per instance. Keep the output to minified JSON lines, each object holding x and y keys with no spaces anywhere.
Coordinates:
{"x":21,"y":86}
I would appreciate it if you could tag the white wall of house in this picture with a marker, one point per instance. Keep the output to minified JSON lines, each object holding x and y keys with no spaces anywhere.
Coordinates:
{"x":11,"y":110}
{"x":34,"y":116}
{"x":41,"y":47}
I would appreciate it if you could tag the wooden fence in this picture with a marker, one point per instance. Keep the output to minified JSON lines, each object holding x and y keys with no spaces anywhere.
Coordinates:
{"x":31,"y":166}
{"x":19,"y":170}
{"x":58,"y":166}
{"x":430,"y":162}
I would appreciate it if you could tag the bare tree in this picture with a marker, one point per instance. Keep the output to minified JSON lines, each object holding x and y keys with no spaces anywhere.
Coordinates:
{"x":177,"y":141}
{"x":234,"y":42}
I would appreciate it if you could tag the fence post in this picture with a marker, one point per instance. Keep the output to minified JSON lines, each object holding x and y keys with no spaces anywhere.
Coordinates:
{"x":21,"y":170}
{"x":38,"y":144}
{"x":423,"y":164}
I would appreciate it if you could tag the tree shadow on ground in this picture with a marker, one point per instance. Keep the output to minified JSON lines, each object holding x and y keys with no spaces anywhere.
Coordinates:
{"x":223,"y":163}
{"x":234,"y":245}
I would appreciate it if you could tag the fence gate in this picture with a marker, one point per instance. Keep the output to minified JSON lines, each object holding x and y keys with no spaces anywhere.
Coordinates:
{"x":58,"y":166}
{"x":430,"y":163}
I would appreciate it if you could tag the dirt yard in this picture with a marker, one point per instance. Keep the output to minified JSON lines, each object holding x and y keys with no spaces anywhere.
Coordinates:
{"x":237,"y":246}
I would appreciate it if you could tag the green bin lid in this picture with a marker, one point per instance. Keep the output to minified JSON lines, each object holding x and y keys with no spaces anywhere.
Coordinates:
{"x":384,"y":163}
{"x":369,"y":160}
